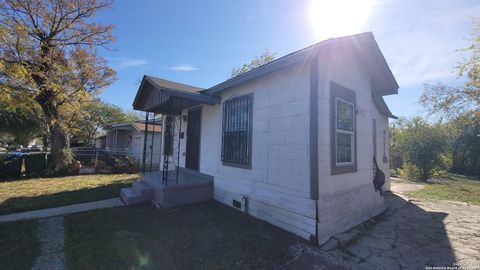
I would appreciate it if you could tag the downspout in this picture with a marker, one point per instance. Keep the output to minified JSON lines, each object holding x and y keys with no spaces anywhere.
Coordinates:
{"x":314,"y":141}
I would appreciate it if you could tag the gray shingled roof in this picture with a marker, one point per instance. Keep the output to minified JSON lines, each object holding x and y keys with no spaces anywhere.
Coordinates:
{"x":383,"y":80}
{"x":174,"y":85}
{"x":376,"y":65}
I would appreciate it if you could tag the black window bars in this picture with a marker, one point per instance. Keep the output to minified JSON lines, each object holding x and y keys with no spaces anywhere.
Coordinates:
{"x":237,"y":131}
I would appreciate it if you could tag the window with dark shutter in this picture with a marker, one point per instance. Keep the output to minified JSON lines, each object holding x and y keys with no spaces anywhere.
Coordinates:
{"x":343,"y":129}
{"x":345,"y":132}
{"x":237,"y":131}
{"x":374,"y":137}
{"x":385,"y":158}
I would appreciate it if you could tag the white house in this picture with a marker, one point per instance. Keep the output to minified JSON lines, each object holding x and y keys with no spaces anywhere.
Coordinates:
{"x":129,"y":138}
{"x":291,"y":142}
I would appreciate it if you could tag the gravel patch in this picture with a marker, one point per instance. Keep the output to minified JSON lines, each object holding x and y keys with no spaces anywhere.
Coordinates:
{"x":51,"y":238}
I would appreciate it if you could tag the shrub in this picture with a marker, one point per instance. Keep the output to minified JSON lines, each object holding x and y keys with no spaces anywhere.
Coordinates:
{"x":422,"y":146}
{"x":410,"y":171}
{"x":439,"y":173}
{"x":124,"y":164}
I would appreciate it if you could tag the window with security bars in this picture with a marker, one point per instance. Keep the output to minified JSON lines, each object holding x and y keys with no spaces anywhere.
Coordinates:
{"x":237,"y":131}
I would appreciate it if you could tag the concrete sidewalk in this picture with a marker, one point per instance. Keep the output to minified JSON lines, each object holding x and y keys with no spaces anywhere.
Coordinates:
{"x":62,"y":210}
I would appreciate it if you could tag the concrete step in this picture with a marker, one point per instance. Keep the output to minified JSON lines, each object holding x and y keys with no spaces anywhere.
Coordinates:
{"x":154,"y":183}
{"x":145,"y":189}
{"x":130,"y":196}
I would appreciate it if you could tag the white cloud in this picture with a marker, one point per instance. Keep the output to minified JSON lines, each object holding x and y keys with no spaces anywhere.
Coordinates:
{"x":183,"y":68}
{"x":123,"y":62}
{"x":133,"y":62}
{"x":424,"y":47}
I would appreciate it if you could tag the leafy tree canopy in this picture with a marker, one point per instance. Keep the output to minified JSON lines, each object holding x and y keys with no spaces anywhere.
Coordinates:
{"x":420,"y":144}
{"x":98,"y":117}
{"x":20,"y":125}
{"x":458,"y":107}
{"x":265,"y":58}
{"x":49,"y":62}
{"x":451,"y":102}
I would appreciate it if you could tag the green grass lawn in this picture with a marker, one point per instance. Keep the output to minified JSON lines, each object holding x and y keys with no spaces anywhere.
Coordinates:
{"x":202,"y":236}
{"x":452,"y":188}
{"x":39,"y":193}
{"x":18,"y":244}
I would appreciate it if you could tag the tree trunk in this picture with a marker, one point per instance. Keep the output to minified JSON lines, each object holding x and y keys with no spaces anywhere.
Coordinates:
{"x":59,"y":141}
{"x":46,"y":141}
{"x":60,"y":147}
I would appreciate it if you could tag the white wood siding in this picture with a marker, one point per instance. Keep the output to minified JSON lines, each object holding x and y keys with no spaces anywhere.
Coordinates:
{"x":347,"y":199}
{"x":277,"y":186}
{"x":136,"y":148}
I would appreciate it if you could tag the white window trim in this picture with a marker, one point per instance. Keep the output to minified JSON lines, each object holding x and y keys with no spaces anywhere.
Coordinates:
{"x":352,"y":138}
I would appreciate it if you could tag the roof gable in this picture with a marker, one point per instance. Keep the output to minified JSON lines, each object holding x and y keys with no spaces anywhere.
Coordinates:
{"x":156,"y":94}
{"x":366,"y":48}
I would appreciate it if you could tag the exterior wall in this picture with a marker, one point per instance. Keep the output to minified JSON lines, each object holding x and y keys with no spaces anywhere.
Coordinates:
{"x":136,"y":148}
{"x":383,"y":147}
{"x":118,"y":139}
{"x":346,"y":200}
{"x":175,"y":160}
{"x":131,"y":142}
{"x":101,"y":143}
{"x":277,"y":187}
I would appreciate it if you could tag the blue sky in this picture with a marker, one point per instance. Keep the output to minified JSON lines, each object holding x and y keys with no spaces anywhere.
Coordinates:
{"x":199,"y":42}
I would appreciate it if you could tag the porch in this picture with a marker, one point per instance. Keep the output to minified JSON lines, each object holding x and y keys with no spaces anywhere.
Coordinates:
{"x":190,"y":187}
{"x":177,"y":186}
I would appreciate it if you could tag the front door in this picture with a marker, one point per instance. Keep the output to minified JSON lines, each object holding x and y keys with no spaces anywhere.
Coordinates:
{"x":192,"y":160}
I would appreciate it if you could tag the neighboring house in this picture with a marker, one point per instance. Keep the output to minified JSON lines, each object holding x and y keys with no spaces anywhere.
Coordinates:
{"x":128,"y":138}
{"x":293,"y":139}
{"x":101,"y":142}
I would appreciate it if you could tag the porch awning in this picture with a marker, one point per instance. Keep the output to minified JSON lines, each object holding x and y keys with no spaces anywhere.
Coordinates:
{"x":167,"y":97}
{"x":382,"y":106}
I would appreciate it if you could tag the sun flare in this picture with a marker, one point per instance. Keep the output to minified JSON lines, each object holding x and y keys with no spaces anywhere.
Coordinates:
{"x":333,"y":18}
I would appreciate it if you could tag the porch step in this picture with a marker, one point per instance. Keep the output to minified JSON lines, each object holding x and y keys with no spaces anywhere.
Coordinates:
{"x":141,"y":191}
{"x":145,"y":190}
{"x":130,"y":196}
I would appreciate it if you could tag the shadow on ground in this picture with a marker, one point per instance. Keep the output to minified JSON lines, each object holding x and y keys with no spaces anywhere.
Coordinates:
{"x":18,"y":244}
{"x":405,"y":237}
{"x":206,"y":235}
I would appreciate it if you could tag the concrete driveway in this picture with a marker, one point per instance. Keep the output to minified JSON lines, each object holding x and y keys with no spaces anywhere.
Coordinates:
{"x":417,"y":234}
{"x":410,"y":235}
{"x":402,"y":186}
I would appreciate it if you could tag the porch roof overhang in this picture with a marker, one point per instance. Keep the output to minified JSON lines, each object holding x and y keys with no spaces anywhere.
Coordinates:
{"x":382,"y":106}
{"x":167,"y":97}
